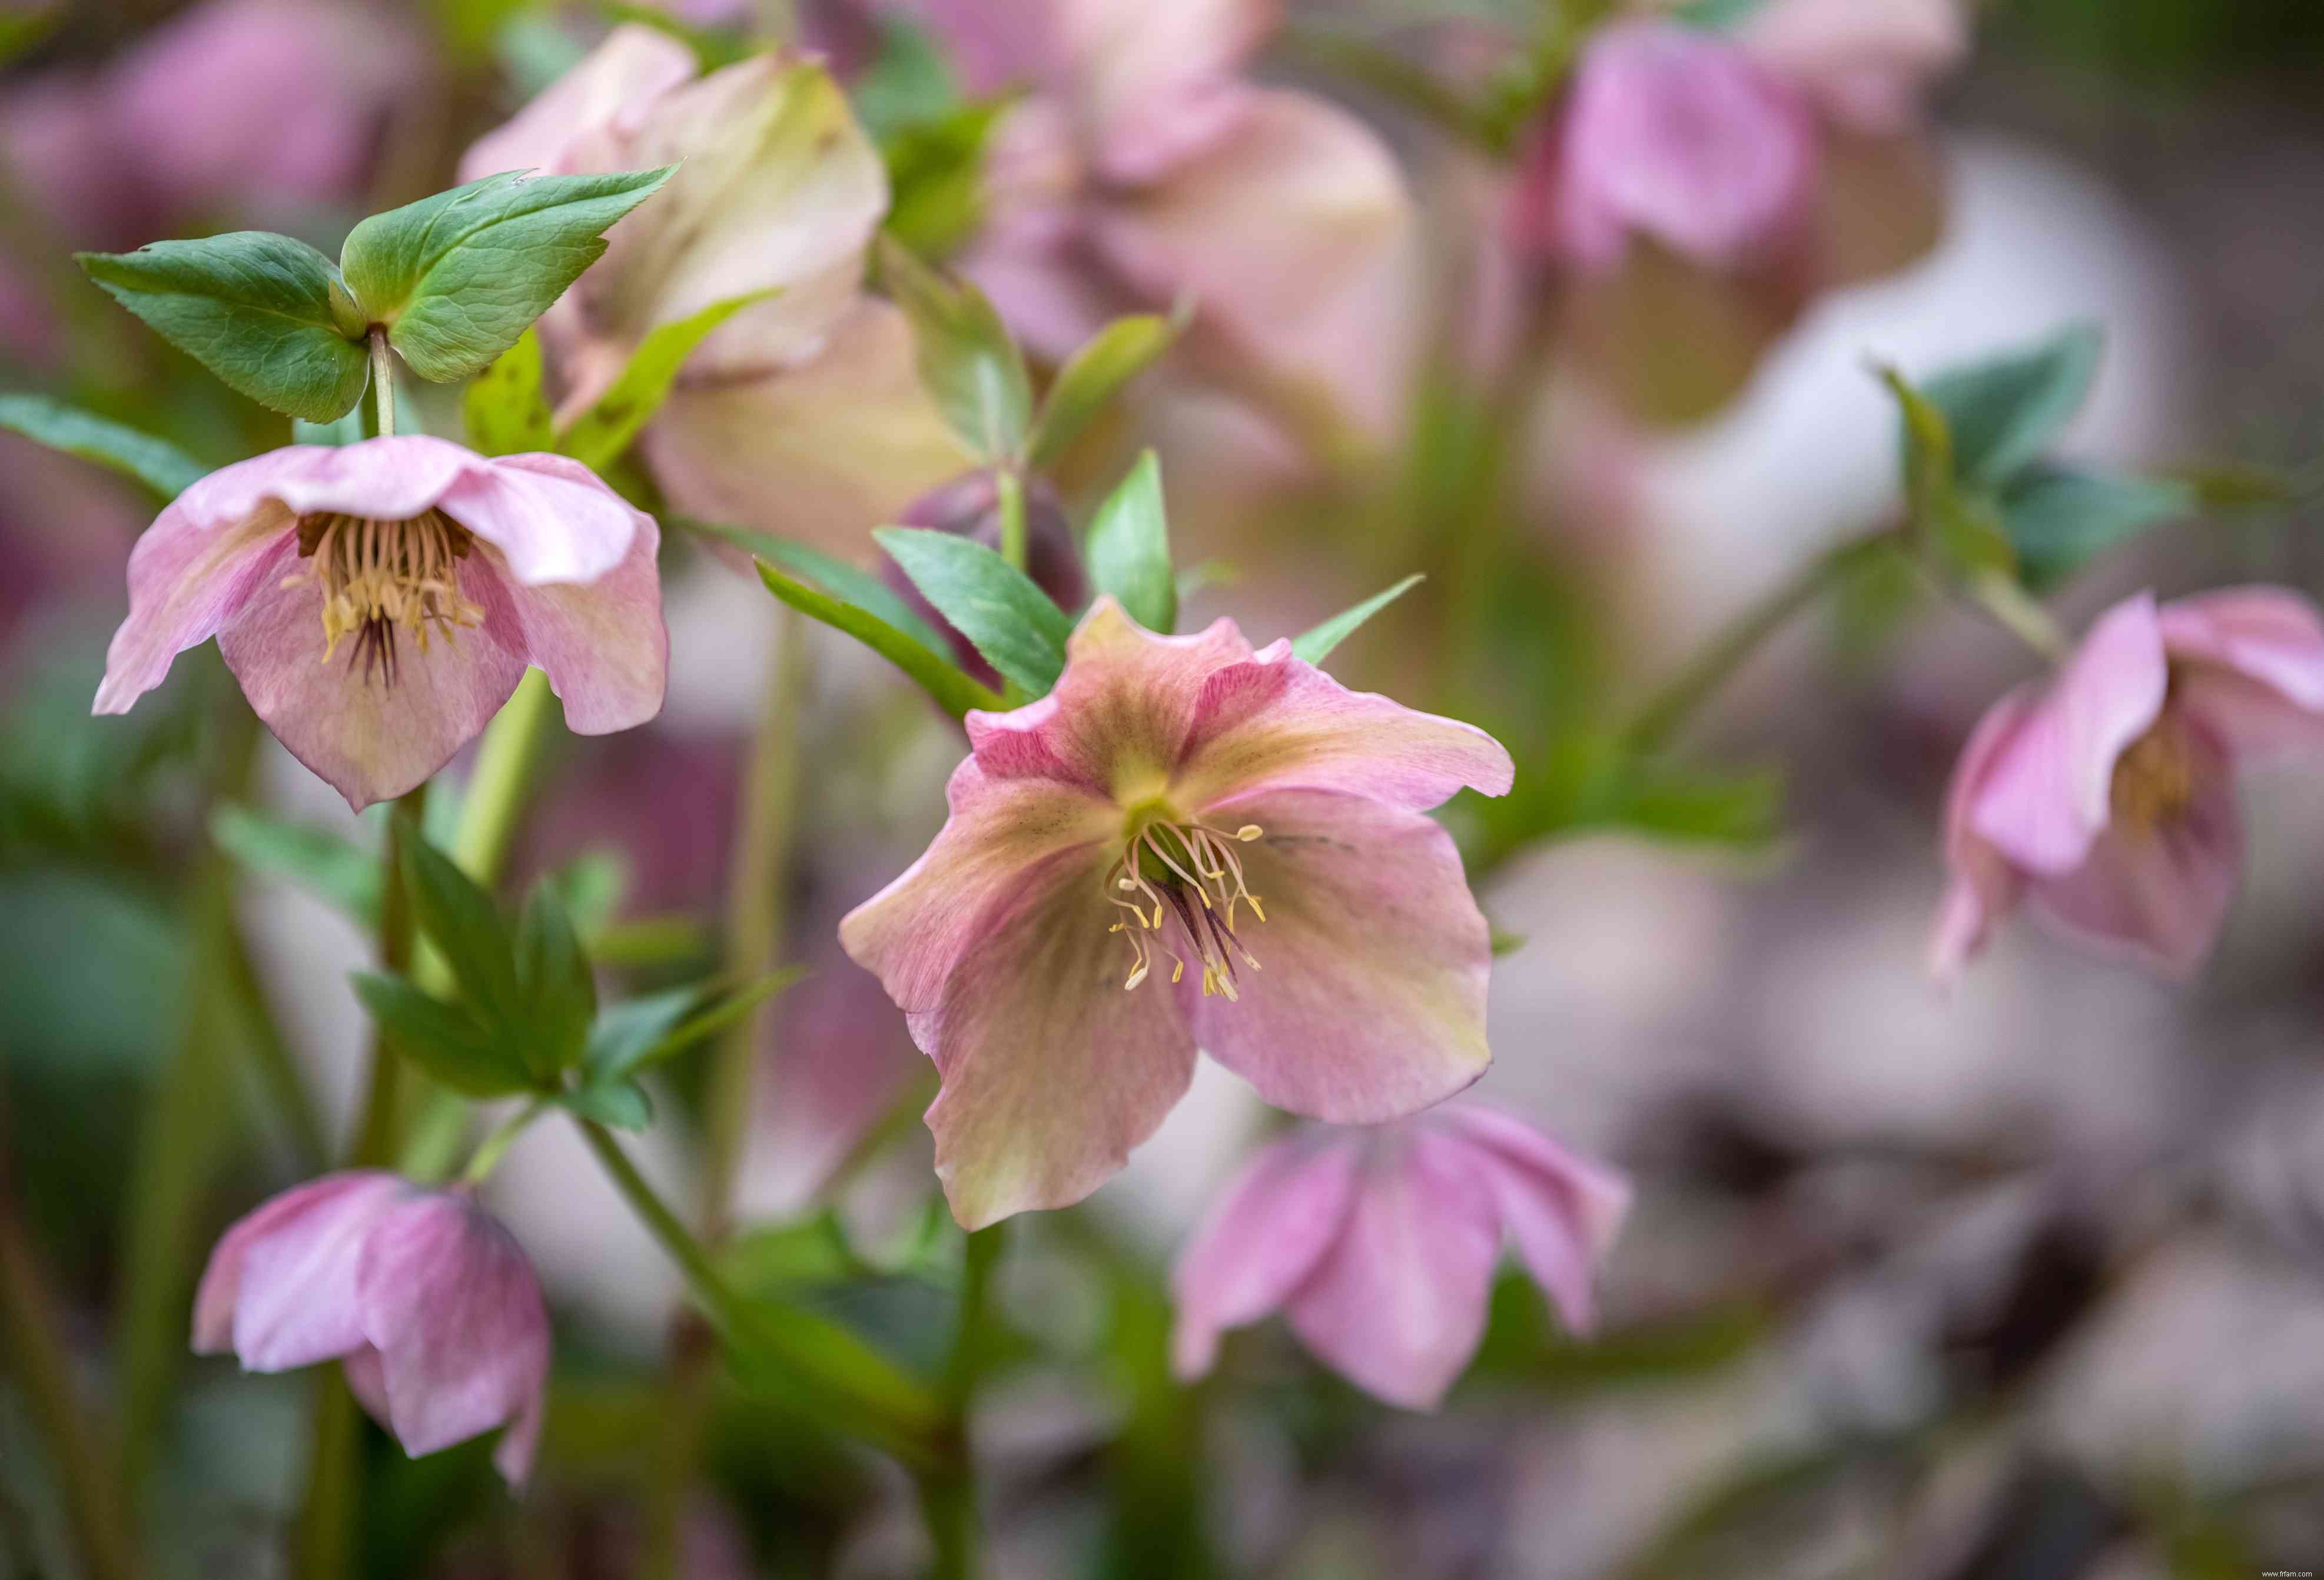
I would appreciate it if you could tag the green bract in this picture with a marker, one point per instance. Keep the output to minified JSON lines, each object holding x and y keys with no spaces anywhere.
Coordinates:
{"x":966,"y":359}
{"x":1016,"y":625}
{"x":1129,"y":549}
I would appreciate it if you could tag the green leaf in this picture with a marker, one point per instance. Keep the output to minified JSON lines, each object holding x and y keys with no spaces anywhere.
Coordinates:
{"x":710,"y":1021}
{"x":966,"y":358}
{"x":1092,"y":377}
{"x":860,"y":587}
{"x":1960,"y":527}
{"x":441,"y":1038}
{"x":599,"y":435}
{"x":624,"y":1104}
{"x":267,"y":315}
{"x":1129,"y":549}
{"x":462,"y":922}
{"x":507,"y":414}
{"x":627,"y":1032}
{"x":1715,"y":15}
{"x":2058,"y":519}
{"x":1315,"y":646}
{"x":315,"y":859}
{"x":21,"y":29}
{"x":161,"y":466}
{"x":593,"y":885}
{"x":2005,"y":414}
{"x":935,"y":169}
{"x":1021,"y":632}
{"x":953,"y":691}
{"x":458,"y":277}
{"x":346,"y":430}
{"x":558,"y":992}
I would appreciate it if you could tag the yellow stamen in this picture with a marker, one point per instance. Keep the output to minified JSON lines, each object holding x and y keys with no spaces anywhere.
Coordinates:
{"x":1169,"y":864}
{"x":378,"y":577}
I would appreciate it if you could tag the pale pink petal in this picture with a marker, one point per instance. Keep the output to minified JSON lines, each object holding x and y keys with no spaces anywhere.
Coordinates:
{"x":552,"y":519}
{"x":1275,"y":720}
{"x":823,"y":452}
{"x":366,"y":1378}
{"x":2046,"y":796}
{"x":1151,"y":86}
{"x":913,"y":933}
{"x":1368,"y":1002}
{"x":1052,"y":1072}
{"x":189,"y":576}
{"x":1562,"y":1209}
{"x":2250,"y":662}
{"x":632,"y":67}
{"x":603,"y":644}
{"x":452,"y":1305}
{"x":1118,"y":721}
{"x":392,"y":479}
{"x":2158,"y":896}
{"x":369,"y":739}
{"x":1984,"y":887}
{"x":1260,"y":1239}
{"x":294,"y":1293}
{"x":1864,"y":61}
{"x":1398,"y":1305}
{"x":333,"y":1203}
{"x":994,"y":47}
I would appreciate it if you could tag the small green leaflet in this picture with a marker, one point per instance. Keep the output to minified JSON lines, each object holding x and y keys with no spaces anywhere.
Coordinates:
{"x":2057,"y":519}
{"x":457,"y":277}
{"x":1315,"y":646}
{"x":1021,"y":632}
{"x":2005,"y":414}
{"x":1129,"y":549}
{"x":267,"y":315}
{"x":444,"y":1039}
{"x":315,"y":859}
{"x":967,"y":360}
{"x":860,"y":587}
{"x":599,"y":435}
{"x":506,"y":413}
{"x":953,"y":691}
{"x":1092,"y":377}
{"x":161,"y":466}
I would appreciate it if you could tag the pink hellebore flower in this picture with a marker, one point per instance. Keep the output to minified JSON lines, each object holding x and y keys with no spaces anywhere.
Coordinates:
{"x":2105,"y":794}
{"x":1380,"y":1246}
{"x":380,"y":601}
{"x":1182,"y":809}
{"x":429,"y":1302}
{"x":1675,"y":134}
{"x":801,"y":414}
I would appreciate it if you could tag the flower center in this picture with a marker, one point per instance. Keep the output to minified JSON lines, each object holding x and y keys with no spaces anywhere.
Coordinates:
{"x":379,"y":577}
{"x":2154,"y":778}
{"x":1173,"y":864}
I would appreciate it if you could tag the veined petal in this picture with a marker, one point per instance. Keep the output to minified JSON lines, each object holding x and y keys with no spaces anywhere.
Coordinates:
{"x":1052,"y":1073}
{"x":1370,"y":1000}
{"x":2046,"y":797}
{"x":552,"y":519}
{"x":370,"y":740}
{"x":1984,"y":887}
{"x":613,"y":83}
{"x":1397,"y":1303}
{"x":1118,"y":721}
{"x":452,"y":1305}
{"x":1261,"y":1238}
{"x":2250,"y":662}
{"x":1276,"y":721}
{"x":190,"y":577}
{"x":1562,"y":1209}
{"x":390,"y":479}
{"x":603,"y":644}
{"x":287,"y":1272}
{"x":999,"y":832}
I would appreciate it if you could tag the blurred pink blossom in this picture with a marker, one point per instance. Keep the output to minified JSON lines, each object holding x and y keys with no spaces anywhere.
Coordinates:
{"x":1379,"y":1246}
{"x":1114,"y":830}
{"x":2105,"y":794}
{"x":1866,"y":63}
{"x":442,"y":574}
{"x":431,"y":1304}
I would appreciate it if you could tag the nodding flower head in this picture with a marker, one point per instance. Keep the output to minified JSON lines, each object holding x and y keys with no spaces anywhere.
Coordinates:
{"x":1180,"y":810}
{"x":380,"y":601}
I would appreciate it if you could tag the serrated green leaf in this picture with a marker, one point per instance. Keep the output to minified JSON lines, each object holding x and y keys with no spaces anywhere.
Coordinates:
{"x":1129,"y":549}
{"x":2058,"y":519}
{"x":2005,"y":414}
{"x":953,"y":691}
{"x":315,"y":859}
{"x":1092,"y":377}
{"x":967,"y":360}
{"x":599,"y":435}
{"x":837,"y":577}
{"x":507,"y":413}
{"x":1315,"y":646}
{"x":458,"y":277}
{"x":462,"y":922}
{"x":1021,"y":632}
{"x":161,"y":466}
{"x":553,"y":979}
{"x":442,"y":1039}
{"x":624,"y":1104}
{"x":267,"y":315}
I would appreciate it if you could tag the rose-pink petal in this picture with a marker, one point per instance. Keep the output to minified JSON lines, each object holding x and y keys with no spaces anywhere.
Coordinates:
{"x":291,"y":1280}
{"x":2250,"y":662}
{"x":1398,"y":1305}
{"x":1563,"y":1210}
{"x":552,"y":519}
{"x":1368,"y":1003}
{"x":220,"y":1291}
{"x":1865,"y":62}
{"x":2046,"y":797}
{"x":190,"y":575}
{"x":1259,"y":1240}
{"x":602,"y":644}
{"x":1983,"y":886}
{"x":633,"y":66}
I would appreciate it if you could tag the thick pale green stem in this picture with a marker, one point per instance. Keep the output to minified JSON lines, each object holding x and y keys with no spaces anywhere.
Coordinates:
{"x":2012,"y":608}
{"x":496,"y":1146}
{"x":1011,"y":494}
{"x":382,"y":380}
{"x":501,"y":784}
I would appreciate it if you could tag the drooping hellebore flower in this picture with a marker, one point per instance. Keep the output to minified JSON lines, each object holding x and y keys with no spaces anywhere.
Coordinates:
{"x":1236,"y":840}
{"x":2105,"y":795}
{"x":431,"y":1304}
{"x":380,"y":601}
{"x":1379,"y":1246}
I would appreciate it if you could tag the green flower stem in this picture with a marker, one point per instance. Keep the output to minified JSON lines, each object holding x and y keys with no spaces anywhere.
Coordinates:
{"x":948,"y":1491}
{"x":840,"y":1380}
{"x":96,"y":1510}
{"x":496,"y":1146}
{"x":1011,"y":489}
{"x":382,"y":380}
{"x":2015,"y":611}
{"x":501,"y":788}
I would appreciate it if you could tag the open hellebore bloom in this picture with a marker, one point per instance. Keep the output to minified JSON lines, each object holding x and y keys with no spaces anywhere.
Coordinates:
{"x":804,"y":413}
{"x":1379,"y":1246}
{"x":431,"y":1305}
{"x":2105,"y":794}
{"x":380,"y":601}
{"x":1185,"y":844}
